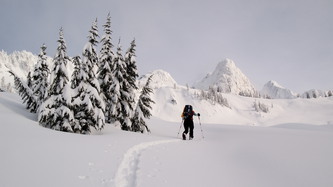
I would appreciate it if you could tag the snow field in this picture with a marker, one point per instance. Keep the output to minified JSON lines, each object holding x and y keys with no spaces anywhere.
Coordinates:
{"x":127,"y":170}
{"x":306,"y":111}
{"x":285,"y":154}
{"x":241,"y":156}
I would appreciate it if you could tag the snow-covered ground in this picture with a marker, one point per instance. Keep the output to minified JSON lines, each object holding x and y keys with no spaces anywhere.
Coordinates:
{"x":262,"y":150}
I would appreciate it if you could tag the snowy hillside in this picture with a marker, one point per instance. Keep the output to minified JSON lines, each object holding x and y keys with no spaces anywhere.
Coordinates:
{"x":21,"y":62}
{"x":171,"y":98}
{"x":160,"y":79}
{"x":228,"y":78}
{"x":295,"y":152}
{"x":275,"y":91}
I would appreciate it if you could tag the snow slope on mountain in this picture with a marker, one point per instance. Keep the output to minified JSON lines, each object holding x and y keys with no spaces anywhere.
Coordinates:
{"x":160,"y":78}
{"x":21,"y":62}
{"x":276,"y":91}
{"x":171,"y":101}
{"x":288,"y":155}
{"x":227,"y":78}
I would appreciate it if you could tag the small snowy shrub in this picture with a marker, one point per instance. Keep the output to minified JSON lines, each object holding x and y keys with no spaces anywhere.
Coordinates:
{"x":213,"y":96}
{"x":261,"y":107}
{"x":330,"y":93}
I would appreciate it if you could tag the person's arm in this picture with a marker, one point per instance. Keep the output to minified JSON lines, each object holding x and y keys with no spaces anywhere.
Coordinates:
{"x":196,"y":114}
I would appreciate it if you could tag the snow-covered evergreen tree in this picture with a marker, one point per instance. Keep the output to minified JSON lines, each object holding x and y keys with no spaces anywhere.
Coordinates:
{"x":143,"y":109}
{"x":90,"y":57}
{"x":261,"y":107}
{"x":131,"y":70}
{"x":33,"y":91}
{"x":25,"y":92}
{"x":55,"y":112}
{"x":120,"y":109}
{"x":40,"y":77}
{"x":87,"y":102}
{"x":78,"y":76}
{"x":106,"y":66}
{"x":131,"y":75}
{"x":106,"y":53}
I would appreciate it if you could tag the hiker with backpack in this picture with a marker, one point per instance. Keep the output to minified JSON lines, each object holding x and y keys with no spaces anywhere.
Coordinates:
{"x":187,"y":116}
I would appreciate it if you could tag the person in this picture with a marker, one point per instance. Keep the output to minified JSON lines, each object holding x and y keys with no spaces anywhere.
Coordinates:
{"x":187,"y":116}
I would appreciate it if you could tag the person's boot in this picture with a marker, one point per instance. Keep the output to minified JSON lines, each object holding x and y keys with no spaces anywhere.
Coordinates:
{"x":184,"y":136}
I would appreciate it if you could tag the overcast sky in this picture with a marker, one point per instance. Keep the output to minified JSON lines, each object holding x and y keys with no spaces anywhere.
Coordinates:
{"x":289,"y":41}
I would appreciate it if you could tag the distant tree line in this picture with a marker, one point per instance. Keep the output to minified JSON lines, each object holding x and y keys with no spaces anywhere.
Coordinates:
{"x":100,"y":90}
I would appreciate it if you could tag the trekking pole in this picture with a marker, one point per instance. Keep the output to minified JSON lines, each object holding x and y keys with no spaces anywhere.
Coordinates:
{"x":201,"y":128}
{"x":180,"y":127}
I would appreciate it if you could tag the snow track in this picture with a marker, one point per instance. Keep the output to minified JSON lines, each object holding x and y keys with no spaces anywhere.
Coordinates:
{"x":127,"y":170}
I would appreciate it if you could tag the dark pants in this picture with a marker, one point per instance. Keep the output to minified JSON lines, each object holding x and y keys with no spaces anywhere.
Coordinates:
{"x":188,"y":124}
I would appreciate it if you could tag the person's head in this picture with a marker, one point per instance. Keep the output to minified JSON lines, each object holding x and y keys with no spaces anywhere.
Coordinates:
{"x":188,"y":108}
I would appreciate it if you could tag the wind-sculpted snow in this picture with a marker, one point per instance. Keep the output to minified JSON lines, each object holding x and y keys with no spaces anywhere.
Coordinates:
{"x":127,"y":171}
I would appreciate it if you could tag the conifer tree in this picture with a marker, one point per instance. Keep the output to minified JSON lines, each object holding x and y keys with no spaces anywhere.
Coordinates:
{"x":105,"y":75}
{"x":78,"y":106}
{"x":131,"y":70}
{"x":40,"y":77}
{"x":120,"y":108}
{"x":87,"y":102}
{"x":106,"y":53}
{"x":25,"y":92}
{"x":90,"y":57}
{"x":33,"y":91}
{"x":131,"y":76}
{"x":55,"y":112}
{"x":142,"y":109}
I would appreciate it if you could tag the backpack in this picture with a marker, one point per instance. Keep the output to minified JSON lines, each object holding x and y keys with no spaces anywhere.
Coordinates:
{"x":187,"y":112}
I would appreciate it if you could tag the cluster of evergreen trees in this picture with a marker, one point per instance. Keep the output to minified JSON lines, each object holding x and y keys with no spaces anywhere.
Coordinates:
{"x":100,"y":90}
{"x":213,"y":96}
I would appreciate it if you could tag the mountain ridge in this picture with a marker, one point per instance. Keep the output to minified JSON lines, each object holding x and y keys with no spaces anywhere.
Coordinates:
{"x":274,"y":90}
{"x":228,"y":78}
